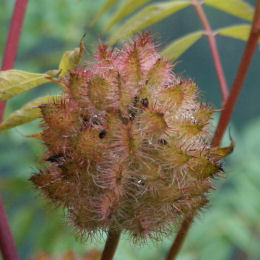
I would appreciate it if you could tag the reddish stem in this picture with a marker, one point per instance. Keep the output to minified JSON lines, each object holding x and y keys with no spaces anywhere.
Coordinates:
{"x":176,"y":246}
{"x":225,"y":114}
{"x":239,"y":78}
{"x":12,"y":41}
{"x":111,"y":245}
{"x":213,"y":48}
{"x":7,"y":244}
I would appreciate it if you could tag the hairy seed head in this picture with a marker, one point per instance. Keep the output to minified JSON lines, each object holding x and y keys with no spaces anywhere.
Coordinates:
{"x":128,"y":145}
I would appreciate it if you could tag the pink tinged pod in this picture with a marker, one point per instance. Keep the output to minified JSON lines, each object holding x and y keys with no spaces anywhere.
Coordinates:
{"x":128,"y":147}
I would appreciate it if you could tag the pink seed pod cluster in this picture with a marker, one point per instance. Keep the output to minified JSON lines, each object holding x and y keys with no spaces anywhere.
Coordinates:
{"x":128,"y":145}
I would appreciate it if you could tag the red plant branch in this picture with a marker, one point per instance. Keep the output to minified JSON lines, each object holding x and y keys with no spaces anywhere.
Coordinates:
{"x":176,"y":246}
{"x":239,"y":78}
{"x":213,"y":48}
{"x":225,"y":114}
{"x":110,"y":246}
{"x":7,"y":244}
{"x":12,"y":40}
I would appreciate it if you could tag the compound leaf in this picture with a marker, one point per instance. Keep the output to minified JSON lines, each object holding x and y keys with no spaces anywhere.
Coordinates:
{"x":179,"y":46}
{"x":146,"y":17}
{"x":237,"y":8}
{"x":240,"y":32}
{"x":14,"y":82}
{"x":127,"y":7}
{"x":26,"y":113}
{"x":107,"y":4}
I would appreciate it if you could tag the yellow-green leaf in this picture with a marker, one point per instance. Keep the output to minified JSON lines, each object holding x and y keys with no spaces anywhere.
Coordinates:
{"x":53,"y":73}
{"x":107,"y":4}
{"x":70,"y":60}
{"x":237,"y":8}
{"x":26,"y":113}
{"x":36,"y":135}
{"x":179,"y":46}
{"x":127,"y":7}
{"x":146,"y":17}
{"x":240,"y":32}
{"x":14,"y":82}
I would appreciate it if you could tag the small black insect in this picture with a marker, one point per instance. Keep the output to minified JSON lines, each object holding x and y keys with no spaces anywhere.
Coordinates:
{"x":163,"y":141}
{"x":85,"y":121}
{"x":55,"y":157}
{"x":220,"y":167}
{"x":145,"y":102}
{"x":102,"y":134}
{"x":135,"y":100}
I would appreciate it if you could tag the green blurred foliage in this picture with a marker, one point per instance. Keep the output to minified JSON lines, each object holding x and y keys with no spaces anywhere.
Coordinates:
{"x":228,"y":229}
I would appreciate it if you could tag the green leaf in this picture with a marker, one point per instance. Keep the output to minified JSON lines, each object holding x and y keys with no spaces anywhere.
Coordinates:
{"x":179,"y":46}
{"x":240,"y":32}
{"x":36,"y":135}
{"x":14,"y":82}
{"x":104,"y":8}
{"x":127,"y":7}
{"x":22,"y":222}
{"x":146,"y":17}
{"x":26,"y":113}
{"x":70,"y":59}
{"x":237,"y":8}
{"x":17,"y":185}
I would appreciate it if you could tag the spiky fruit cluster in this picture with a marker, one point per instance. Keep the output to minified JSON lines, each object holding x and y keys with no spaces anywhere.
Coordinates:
{"x":128,"y":144}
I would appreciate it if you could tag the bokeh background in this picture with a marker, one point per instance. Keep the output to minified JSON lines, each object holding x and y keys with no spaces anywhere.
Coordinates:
{"x":230,"y":226}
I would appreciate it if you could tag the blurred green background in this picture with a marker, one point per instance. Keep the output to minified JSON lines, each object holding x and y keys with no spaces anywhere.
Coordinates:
{"x":230,"y":226}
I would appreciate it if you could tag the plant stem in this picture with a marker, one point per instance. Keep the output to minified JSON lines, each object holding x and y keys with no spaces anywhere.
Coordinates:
{"x":213,"y":48}
{"x":8,"y":248}
{"x":111,"y":245}
{"x":12,"y":40}
{"x":176,"y":246}
{"x":7,"y":244}
{"x":225,"y":114}
{"x":239,"y":78}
